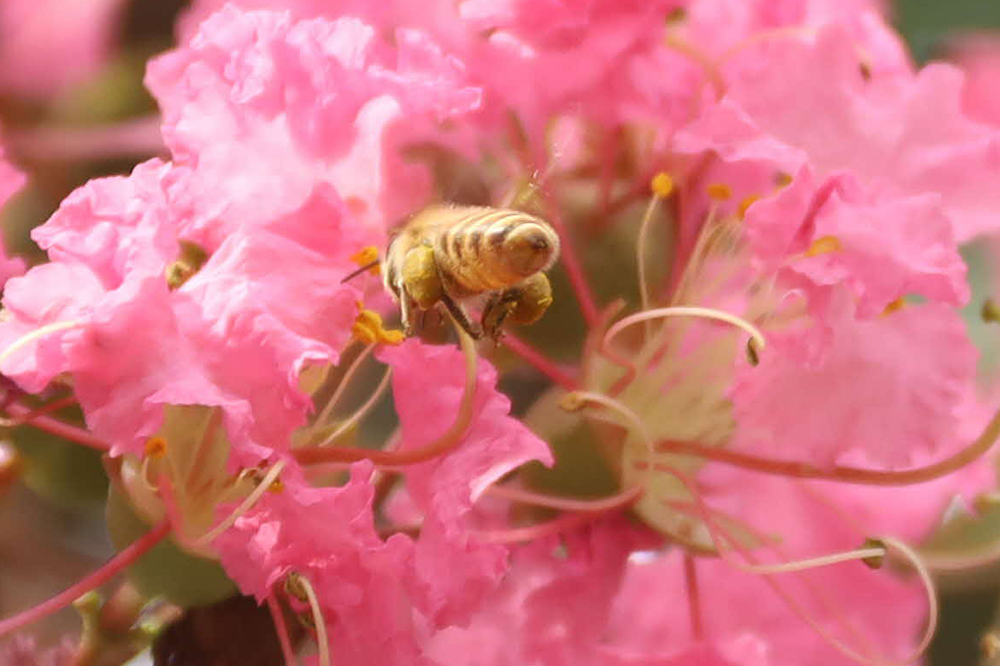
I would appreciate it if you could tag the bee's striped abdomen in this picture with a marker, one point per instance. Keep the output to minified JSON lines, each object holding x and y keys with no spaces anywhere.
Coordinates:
{"x":471,"y":250}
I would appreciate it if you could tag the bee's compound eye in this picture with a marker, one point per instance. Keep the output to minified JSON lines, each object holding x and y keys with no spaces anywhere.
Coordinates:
{"x":529,"y":249}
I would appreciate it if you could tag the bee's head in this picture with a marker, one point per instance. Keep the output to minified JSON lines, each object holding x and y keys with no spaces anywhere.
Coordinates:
{"x":531,"y":248}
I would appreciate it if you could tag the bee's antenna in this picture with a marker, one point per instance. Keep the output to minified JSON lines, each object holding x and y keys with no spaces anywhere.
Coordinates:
{"x":359,"y":271}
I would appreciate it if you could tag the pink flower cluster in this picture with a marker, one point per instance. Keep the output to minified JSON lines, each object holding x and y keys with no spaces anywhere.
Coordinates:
{"x":815,"y":186}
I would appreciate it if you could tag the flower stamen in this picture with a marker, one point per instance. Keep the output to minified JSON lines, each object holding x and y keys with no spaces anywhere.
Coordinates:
{"x":661,"y":185}
{"x":439,"y":447}
{"x":360,"y":413}
{"x":875,"y":548}
{"x":719,"y":191}
{"x":576,"y":400}
{"x":331,"y":404}
{"x":986,"y":440}
{"x":264,"y":486}
{"x":299,"y":587}
{"x":368,"y":328}
{"x":618,"y":501}
{"x":824,"y":245}
{"x":756,"y":337}
{"x":39,"y":333}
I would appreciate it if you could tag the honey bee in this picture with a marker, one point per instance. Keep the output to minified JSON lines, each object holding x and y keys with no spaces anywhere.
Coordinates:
{"x":449,"y":254}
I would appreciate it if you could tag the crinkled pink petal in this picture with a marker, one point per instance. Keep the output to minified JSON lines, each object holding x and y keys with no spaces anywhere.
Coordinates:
{"x":260,"y":324}
{"x":235,"y":335}
{"x":48,"y":45}
{"x":886,"y":248}
{"x":328,"y":536}
{"x":560,"y":616}
{"x":978,"y":56}
{"x":457,"y":569}
{"x":264,"y":108}
{"x":551,"y":608}
{"x":891,"y":387}
{"x":810,"y":518}
{"x":48,"y":294}
{"x":747,"y":622}
{"x":720,"y":27}
{"x":898,"y":134}
{"x":120,"y":227}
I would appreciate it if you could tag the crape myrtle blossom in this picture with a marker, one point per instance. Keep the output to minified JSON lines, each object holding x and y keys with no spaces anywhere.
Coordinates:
{"x":815,"y":185}
{"x":170,"y":307}
{"x":48,"y":46}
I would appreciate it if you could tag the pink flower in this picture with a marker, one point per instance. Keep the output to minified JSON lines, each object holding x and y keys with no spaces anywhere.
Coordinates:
{"x":978,"y":56}
{"x":814,"y":186}
{"x":135,"y":344}
{"x":456,"y":568}
{"x":328,"y":536}
{"x":881,"y":249}
{"x":773,"y":402}
{"x":48,"y":46}
{"x":900,"y":135}
{"x":290,"y":105}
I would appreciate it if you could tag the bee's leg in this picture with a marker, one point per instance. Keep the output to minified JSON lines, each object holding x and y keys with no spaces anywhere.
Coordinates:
{"x":406,"y":311}
{"x":495,"y":312}
{"x":461,"y":318}
{"x":524,"y":303}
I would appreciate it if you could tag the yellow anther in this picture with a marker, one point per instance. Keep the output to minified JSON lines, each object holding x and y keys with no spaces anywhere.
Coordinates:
{"x":719,"y":191}
{"x":824,"y":245}
{"x":368,"y":328}
{"x":156,"y":448}
{"x":782,"y":179}
{"x":895,"y":305}
{"x":662,"y":185}
{"x":367,"y":256}
{"x":276,"y":486}
{"x":753,"y":353}
{"x":741,"y":210}
{"x":990,"y":312}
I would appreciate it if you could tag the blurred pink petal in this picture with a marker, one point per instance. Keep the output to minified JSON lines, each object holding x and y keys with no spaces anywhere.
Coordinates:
{"x":48,"y":45}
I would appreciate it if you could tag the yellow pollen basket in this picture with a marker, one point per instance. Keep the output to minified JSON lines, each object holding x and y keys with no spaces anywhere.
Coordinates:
{"x":824,"y":245}
{"x":368,"y":328}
